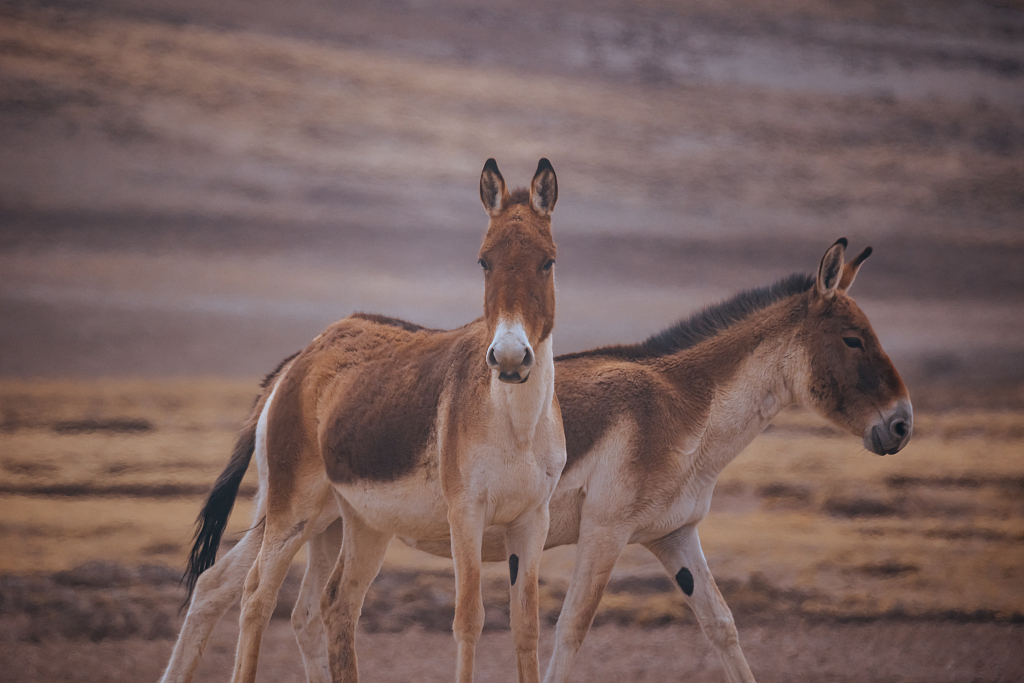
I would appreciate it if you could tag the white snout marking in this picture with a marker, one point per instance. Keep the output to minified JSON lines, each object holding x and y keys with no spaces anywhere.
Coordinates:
{"x":510,"y":352}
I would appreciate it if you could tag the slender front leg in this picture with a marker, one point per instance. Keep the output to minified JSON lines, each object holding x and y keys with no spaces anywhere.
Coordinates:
{"x":362,"y":552}
{"x":597,"y":550}
{"x":218,"y":588}
{"x":681,"y":554}
{"x":467,"y":524}
{"x":524,"y":542}
{"x":323,"y":549}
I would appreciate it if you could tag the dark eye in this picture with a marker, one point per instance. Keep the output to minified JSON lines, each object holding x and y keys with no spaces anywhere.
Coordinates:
{"x":483,"y":264}
{"x":853,"y":342}
{"x":547,"y":266}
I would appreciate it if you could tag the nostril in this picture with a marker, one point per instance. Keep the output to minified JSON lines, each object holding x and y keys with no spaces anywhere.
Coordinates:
{"x":899,"y":428}
{"x":491,"y":360}
{"x":528,"y":358}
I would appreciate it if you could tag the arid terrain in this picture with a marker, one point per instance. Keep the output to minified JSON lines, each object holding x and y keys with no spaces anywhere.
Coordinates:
{"x":190,"y":191}
{"x":837,"y":563}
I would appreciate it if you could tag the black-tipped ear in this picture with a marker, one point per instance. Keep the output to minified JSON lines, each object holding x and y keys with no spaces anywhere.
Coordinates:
{"x":493,"y":192}
{"x":831,"y":269}
{"x":544,"y":189}
{"x":851,"y":268}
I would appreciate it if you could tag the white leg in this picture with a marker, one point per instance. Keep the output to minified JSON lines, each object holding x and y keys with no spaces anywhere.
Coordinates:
{"x":218,"y":588}
{"x":323,"y":549}
{"x":524,"y":541}
{"x":596,"y":552}
{"x":467,"y":525}
{"x":681,"y":555}
{"x":362,"y":552}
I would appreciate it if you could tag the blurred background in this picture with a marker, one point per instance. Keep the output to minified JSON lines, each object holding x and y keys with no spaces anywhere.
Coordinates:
{"x":191,"y":191}
{"x":194,"y":188}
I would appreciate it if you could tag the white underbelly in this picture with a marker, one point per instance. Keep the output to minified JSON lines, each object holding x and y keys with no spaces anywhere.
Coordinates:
{"x":411,"y":506}
{"x":415,"y":506}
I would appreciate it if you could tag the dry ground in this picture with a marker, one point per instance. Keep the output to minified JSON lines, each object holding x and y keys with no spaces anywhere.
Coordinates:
{"x":828,"y":555}
{"x":779,"y":652}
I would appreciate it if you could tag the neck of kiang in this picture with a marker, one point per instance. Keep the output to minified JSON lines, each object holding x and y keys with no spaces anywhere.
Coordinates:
{"x":521,"y":407}
{"x":740,"y":409}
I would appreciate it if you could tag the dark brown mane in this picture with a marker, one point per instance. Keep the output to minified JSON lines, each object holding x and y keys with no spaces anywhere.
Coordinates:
{"x":706,"y":323}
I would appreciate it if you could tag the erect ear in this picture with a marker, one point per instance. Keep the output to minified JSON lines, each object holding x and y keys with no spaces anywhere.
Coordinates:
{"x":831,"y":269}
{"x":493,"y":192}
{"x":851,"y":268}
{"x":544,"y":188}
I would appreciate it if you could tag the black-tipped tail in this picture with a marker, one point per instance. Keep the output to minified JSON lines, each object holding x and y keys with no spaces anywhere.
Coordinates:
{"x":213,"y":518}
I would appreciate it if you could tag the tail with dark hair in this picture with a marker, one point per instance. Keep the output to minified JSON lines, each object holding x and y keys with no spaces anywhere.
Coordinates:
{"x":213,"y":518}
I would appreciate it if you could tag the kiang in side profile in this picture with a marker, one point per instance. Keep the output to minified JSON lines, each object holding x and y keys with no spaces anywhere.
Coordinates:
{"x":648,"y":428}
{"x":399,"y":430}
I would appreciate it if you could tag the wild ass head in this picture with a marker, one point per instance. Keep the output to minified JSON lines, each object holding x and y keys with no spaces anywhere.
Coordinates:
{"x":851,"y":380}
{"x":518,"y":257}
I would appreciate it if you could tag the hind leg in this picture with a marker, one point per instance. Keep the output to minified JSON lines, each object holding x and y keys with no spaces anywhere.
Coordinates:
{"x":288,"y":526}
{"x":323,"y":549}
{"x":596,"y":552}
{"x":218,"y":588}
{"x":362,"y":552}
{"x":681,"y":555}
